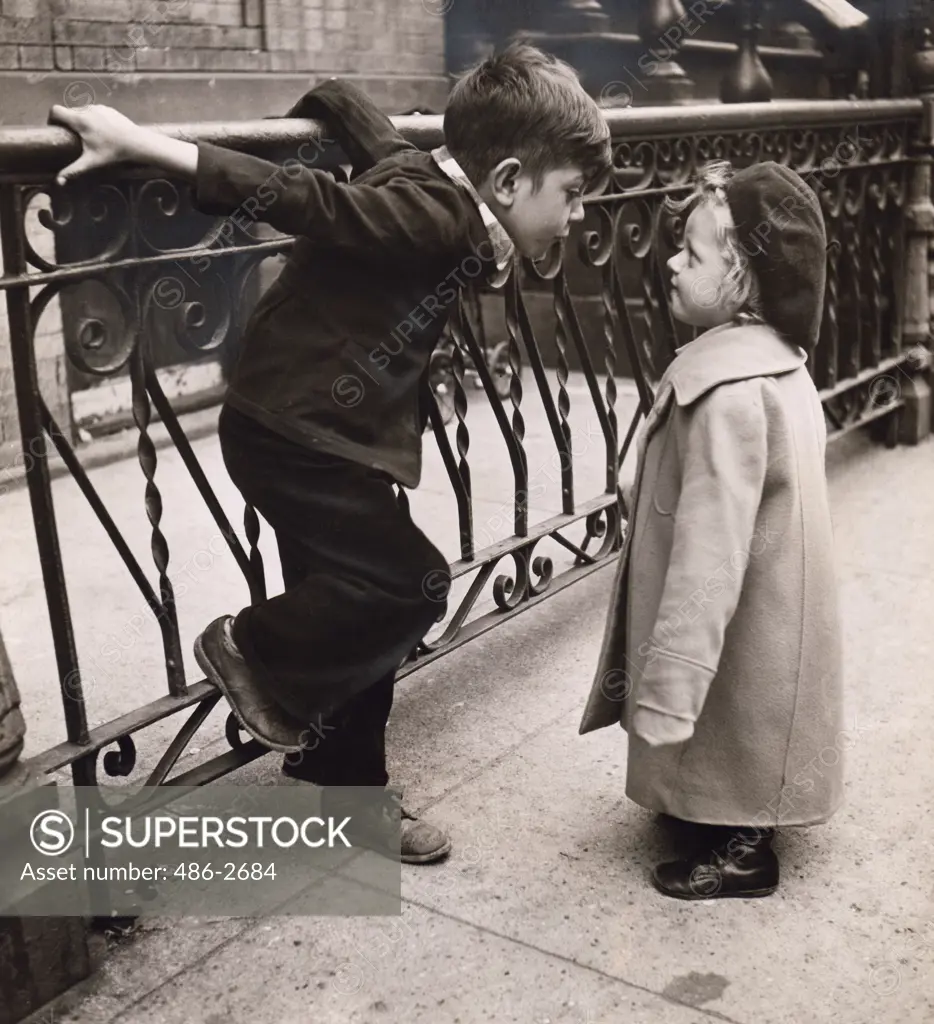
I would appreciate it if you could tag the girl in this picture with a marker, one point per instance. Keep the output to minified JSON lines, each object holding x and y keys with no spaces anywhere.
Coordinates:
{"x":721,"y":656}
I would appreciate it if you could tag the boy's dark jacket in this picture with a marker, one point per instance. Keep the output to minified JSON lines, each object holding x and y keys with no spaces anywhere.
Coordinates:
{"x":334,"y":355}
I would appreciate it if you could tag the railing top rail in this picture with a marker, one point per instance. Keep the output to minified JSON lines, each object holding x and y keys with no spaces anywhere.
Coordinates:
{"x":43,"y":150}
{"x":639,"y":122}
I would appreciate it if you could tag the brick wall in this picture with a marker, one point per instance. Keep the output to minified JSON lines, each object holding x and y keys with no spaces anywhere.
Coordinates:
{"x":373,"y":37}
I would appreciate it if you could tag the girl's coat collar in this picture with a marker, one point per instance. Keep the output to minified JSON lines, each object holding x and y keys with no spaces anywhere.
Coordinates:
{"x":726,"y":354}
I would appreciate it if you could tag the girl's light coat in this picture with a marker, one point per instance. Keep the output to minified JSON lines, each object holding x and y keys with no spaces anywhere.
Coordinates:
{"x":724,"y":613}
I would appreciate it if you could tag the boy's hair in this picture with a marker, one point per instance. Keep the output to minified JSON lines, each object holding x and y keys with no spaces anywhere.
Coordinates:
{"x":710,"y":188}
{"x":527,"y":104}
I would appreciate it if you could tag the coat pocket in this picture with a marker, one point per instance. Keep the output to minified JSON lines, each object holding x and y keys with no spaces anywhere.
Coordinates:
{"x":665,"y":505}
{"x":666,"y":490}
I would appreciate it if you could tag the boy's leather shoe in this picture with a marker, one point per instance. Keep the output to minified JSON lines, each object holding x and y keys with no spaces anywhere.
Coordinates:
{"x":256,"y":711}
{"x":389,"y":829}
{"x":745,"y":867}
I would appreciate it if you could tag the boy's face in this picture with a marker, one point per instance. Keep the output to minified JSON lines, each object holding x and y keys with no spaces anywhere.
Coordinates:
{"x":534,"y":217}
{"x":700,"y":294}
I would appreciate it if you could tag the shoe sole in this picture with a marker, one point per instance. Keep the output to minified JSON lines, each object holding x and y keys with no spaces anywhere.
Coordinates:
{"x":748,"y":894}
{"x":214,"y":677}
{"x":427,"y":858}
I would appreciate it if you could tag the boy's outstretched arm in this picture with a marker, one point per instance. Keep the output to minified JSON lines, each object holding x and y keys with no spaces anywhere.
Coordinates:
{"x":109,"y":137}
{"x":402,"y":218}
{"x":722,"y":445}
{"x":399,"y":219}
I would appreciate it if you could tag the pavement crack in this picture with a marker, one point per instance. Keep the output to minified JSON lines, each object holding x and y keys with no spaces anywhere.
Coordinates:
{"x":485,"y":930}
{"x":883,"y":570}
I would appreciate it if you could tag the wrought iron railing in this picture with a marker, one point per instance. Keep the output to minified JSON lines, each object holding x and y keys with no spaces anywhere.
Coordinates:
{"x":859,"y":157}
{"x":137,"y":240}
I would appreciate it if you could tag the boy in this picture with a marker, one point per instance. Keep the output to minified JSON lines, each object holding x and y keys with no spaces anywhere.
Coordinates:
{"x":721,"y":657}
{"x":323,"y":412}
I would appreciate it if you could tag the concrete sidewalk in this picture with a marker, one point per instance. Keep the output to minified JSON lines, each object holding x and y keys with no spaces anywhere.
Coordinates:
{"x":543,"y":913}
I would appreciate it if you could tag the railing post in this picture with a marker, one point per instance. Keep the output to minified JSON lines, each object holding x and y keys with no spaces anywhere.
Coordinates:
{"x":915,"y":422}
{"x":576,"y":16}
{"x":747,"y":81}
{"x":660,"y":27}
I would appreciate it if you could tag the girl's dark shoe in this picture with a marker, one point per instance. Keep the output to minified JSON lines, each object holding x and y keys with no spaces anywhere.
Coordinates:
{"x":743,"y":866}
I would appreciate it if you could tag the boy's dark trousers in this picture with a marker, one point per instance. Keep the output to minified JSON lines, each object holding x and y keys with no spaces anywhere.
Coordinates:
{"x":363,"y":585}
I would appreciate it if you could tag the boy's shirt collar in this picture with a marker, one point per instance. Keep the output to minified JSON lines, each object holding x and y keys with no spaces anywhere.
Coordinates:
{"x":504,"y":248}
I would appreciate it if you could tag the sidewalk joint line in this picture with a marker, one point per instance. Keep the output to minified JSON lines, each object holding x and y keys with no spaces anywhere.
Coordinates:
{"x":455,"y":787}
{"x":525,"y":944}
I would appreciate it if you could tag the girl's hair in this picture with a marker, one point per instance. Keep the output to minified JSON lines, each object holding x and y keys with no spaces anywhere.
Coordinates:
{"x":527,"y":104}
{"x":710,"y":188}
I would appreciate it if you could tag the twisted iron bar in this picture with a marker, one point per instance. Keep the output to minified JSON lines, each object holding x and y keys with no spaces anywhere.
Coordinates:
{"x":460,"y":486}
{"x":561,"y":439}
{"x":183,"y":447}
{"x":830,"y":331}
{"x":854,"y":350}
{"x":148,"y":460}
{"x":458,"y":369}
{"x":515,"y":397}
{"x":876,"y":275}
{"x":608,"y":275}
{"x":563,"y":372}
{"x":251,"y":530}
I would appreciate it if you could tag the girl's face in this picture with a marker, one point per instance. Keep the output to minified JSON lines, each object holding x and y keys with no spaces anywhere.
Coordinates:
{"x":700,"y":293}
